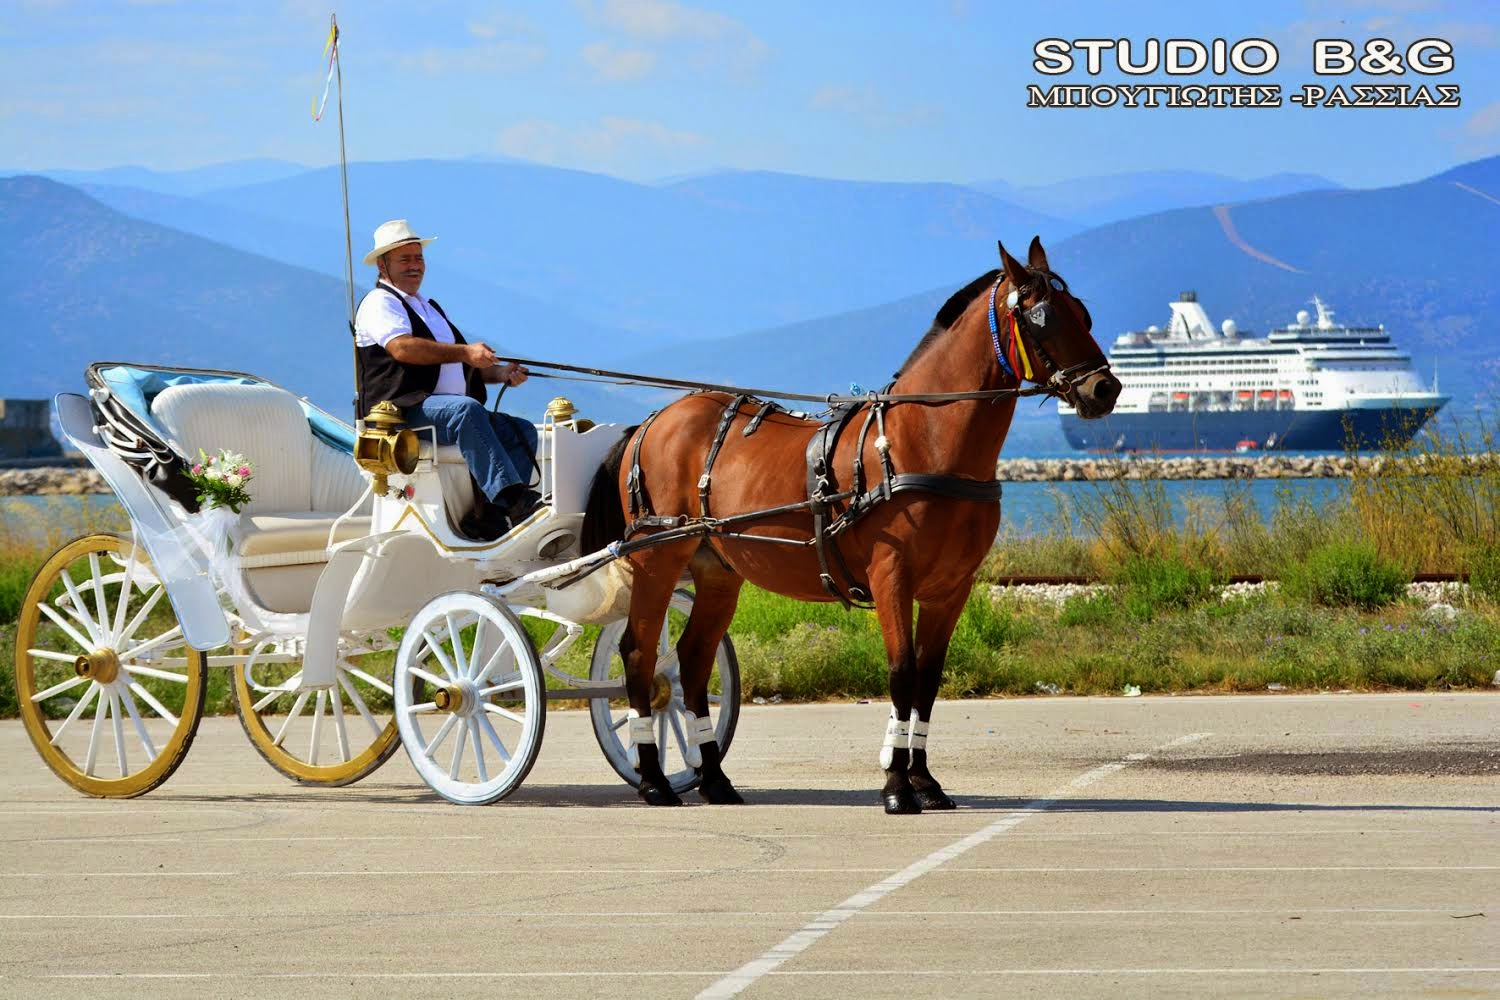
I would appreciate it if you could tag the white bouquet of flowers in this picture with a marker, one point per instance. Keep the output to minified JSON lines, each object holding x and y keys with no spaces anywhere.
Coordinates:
{"x":221,"y":479}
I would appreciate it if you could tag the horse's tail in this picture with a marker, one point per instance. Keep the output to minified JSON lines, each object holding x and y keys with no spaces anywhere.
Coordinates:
{"x":604,"y":518}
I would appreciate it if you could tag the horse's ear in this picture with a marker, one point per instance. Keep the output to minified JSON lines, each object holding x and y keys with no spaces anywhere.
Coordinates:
{"x":1015,"y":273}
{"x":1036,"y":256}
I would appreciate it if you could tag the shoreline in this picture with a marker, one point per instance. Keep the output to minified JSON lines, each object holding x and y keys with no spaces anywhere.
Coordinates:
{"x":74,"y":480}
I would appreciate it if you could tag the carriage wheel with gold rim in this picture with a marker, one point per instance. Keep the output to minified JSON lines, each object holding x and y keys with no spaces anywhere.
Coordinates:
{"x":330,"y":737}
{"x":109,"y":690}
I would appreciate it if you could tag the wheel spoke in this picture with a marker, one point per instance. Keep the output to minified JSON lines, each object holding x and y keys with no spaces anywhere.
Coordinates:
{"x":71,"y":682}
{"x":505,"y":713}
{"x":161,"y":675}
{"x":458,"y":751}
{"x":119,"y":727}
{"x":172,"y":635}
{"x":75,"y":600}
{"x":494,"y":661}
{"x":291,"y":716}
{"x":123,"y":601}
{"x":677,"y":733}
{"x":619,"y":723}
{"x":140,"y":727}
{"x":479,"y":762}
{"x":78,"y":709}
{"x":715,"y":699}
{"x":62,"y":623}
{"x":317,"y":727}
{"x":489,"y":731}
{"x":99,"y":717}
{"x":155,"y":705}
{"x":661,"y":730}
{"x":140,"y":616}
{"x":374,"y":682}
{"x":438,"y":737}
{"x":101,"y":606}
{"x":507,"y":683}
{"x":47,"y":654}
{"x":436,"y":648}
{"x":336,"y":709}
{"x":285,"y":687}
{"x":359,"y":704}
{"x":421,"y":707}
{"x":432,"y":679}
{"x":460,"y":661}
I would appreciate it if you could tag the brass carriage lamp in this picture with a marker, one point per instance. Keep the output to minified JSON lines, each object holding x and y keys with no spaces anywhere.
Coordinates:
{"x":386,"y":445}
{"x":562,"y":410}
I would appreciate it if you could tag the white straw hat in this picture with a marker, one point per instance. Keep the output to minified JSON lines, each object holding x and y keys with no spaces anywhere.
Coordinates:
{"x":391,"y":235}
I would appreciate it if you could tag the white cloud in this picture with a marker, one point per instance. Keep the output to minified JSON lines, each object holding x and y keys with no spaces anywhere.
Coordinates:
{"x":618,"y":64}
{"x":865,"y":105}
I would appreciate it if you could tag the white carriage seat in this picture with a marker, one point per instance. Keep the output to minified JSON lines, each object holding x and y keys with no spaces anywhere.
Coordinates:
{"x":301,"y":485}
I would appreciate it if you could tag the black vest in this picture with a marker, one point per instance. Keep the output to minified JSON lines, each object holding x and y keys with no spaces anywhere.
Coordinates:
{"x":385,"y":378}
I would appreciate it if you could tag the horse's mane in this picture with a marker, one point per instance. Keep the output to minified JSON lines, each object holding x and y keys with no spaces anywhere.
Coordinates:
{"x":949,"y":314}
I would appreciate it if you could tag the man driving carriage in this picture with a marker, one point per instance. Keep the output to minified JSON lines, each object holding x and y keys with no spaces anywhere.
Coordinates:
{"x":412,"y":355}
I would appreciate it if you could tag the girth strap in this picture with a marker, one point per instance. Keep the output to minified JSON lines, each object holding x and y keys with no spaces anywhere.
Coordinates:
{"x":822,"y":492}
{"x":730,"y":412}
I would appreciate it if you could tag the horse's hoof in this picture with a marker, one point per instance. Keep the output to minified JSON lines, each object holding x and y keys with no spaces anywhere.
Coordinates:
{"x":934,"y":800}
{"x":720,"y":792}
{"x":902,"y":803}
{"x":657,"y":795}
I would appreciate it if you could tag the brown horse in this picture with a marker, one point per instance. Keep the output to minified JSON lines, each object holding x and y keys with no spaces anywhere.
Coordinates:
{"x":921,"y":544}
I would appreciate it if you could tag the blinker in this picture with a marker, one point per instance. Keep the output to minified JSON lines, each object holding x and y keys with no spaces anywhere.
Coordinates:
{"x":1037,"y":314}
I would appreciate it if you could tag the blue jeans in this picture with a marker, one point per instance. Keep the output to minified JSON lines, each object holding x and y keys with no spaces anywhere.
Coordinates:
{"x":499,"y":448}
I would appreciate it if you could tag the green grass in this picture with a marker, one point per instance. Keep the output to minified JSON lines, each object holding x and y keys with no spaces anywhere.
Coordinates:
{"x":1344,"y":574}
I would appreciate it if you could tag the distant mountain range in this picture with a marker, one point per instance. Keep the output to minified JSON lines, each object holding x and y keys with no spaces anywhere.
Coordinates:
{"x":753,"y":278}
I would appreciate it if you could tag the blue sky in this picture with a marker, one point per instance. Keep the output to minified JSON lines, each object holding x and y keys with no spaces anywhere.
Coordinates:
{"x":879,"y":90}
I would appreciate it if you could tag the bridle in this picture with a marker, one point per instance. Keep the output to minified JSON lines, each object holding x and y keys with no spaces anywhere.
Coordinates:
{"x":1038,"y":324}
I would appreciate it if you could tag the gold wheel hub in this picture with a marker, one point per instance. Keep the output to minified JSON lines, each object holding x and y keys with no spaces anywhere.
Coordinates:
{"x":449,"y":698}
{"x":661,"y":692}
{"x":101,"y":665}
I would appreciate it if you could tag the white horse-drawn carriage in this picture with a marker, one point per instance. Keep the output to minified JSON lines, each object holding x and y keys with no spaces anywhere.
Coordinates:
{"x":349,"y":539}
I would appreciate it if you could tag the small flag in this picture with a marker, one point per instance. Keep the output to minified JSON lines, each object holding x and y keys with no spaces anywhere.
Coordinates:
{"x":331,"y":50}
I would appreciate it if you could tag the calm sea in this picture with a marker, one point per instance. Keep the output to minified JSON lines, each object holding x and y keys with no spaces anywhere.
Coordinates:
{"x":1027,"y":508}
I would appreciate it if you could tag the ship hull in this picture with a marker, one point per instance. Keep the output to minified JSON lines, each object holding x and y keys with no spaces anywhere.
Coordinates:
{"x":1294,"y":430}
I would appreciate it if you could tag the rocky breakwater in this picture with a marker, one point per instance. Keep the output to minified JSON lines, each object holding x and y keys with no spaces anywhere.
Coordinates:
{"x":1046,"y":470}
{"x":51,"y":480}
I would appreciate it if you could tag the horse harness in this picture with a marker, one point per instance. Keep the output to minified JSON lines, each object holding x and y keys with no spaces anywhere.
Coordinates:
{"x":823,"y":492}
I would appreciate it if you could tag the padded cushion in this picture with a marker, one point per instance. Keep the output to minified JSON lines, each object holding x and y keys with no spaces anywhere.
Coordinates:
{"x":261,"y":422}
{"x":295,"y":533}
{"x":336,"y":480}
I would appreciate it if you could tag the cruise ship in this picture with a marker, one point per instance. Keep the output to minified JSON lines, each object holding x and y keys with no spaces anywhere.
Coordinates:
{"x":1313,"y":385}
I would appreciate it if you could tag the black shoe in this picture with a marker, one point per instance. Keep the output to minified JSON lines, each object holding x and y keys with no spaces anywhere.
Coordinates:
{"x":484,"y":523}
{"x":522,"y":505}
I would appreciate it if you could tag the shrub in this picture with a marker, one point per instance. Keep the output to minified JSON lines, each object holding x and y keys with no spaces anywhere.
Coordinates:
{"x":1095,"y":609}
{"x":1149,"y":584}
{"x":1484,"y":571}
{"x":1344,"y":574}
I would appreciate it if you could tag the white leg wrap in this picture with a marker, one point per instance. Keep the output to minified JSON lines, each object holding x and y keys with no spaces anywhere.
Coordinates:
{"x":699,"y":731}
{"x":642,"y":730}
{"x":897,"y":734}
{"x":918,"y":738}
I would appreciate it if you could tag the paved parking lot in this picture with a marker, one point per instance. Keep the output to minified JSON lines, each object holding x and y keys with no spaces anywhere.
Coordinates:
{"x":1277,"y":846}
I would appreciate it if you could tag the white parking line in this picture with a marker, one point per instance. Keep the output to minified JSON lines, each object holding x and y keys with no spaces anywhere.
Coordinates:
{"x":810,"y":934}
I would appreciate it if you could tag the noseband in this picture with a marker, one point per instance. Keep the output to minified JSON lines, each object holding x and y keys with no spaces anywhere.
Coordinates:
{"x":1037,"y":323}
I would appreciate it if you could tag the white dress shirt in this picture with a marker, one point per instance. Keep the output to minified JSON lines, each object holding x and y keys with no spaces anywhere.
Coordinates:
{"x":381,"y":319}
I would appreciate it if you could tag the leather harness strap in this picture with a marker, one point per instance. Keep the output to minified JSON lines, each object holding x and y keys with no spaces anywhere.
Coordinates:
{"x":823,"y":493}
{"x":730,"y":413}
